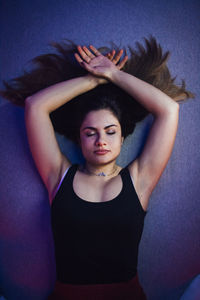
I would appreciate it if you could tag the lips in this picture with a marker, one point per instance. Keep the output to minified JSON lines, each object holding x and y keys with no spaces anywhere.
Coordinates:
{"x":101,"y":152}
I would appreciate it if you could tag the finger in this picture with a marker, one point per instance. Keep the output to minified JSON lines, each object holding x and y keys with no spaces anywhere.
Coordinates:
{"x":122,"y":63}
{"x":87,"y":51}
{"x":112,"y":54}
{"x":80,"y":61}
{"x":118,"y":56}
{"x":83,"y":54}
{"x":78,"y":58}
{"x":96,"y":52}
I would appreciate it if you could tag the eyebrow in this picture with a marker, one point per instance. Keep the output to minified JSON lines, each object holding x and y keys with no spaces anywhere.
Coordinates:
{"x":93,"y":128}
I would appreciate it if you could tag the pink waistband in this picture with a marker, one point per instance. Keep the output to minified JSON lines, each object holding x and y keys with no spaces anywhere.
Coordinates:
{"x":130,"y":290}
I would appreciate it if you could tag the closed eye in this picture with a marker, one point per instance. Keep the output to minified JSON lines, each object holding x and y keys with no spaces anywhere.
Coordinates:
{"x":90,"y":133}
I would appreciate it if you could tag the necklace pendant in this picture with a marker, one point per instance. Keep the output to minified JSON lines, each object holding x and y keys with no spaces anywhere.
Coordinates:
{"x":101,"y":174}
{"x":85,"y":170}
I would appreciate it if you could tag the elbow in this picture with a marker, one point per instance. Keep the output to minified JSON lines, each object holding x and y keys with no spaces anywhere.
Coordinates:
{"x":176,"y":106}
{"x":173,"y":108}
{"x":30,"y":105}
{"x":171,"y":111}
{"x":31,"y":102}
{"x":28,"y":101}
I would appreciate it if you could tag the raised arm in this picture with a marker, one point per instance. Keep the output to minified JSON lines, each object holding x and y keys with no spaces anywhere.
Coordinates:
{"x":49,"y":160}
{"x":148,"y":167}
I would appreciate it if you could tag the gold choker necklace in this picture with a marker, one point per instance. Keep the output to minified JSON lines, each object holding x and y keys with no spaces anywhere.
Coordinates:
{"x":85,"y":170}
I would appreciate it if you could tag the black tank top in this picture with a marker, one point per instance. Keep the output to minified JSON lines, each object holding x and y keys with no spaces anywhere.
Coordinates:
{"x":96,"y":242}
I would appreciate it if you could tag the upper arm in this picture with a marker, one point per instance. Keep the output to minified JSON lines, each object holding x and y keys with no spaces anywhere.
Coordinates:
{"x":45,"y":150}
{"x":148,"y":167}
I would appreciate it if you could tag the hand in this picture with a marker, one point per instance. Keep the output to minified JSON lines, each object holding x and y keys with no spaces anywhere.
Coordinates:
{"x":99,"y":66}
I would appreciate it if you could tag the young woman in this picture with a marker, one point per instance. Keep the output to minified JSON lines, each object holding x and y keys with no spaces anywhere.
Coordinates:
{"x":98,"y":208}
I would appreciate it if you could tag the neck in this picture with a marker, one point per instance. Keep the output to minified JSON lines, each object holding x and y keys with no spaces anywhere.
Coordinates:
{"x":101,"y":171}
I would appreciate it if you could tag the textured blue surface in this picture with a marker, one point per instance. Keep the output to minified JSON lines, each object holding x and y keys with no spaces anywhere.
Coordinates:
{"x":170,"y":247}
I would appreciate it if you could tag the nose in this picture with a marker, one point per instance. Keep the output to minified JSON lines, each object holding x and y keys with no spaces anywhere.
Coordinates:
{"x":100,"y":141}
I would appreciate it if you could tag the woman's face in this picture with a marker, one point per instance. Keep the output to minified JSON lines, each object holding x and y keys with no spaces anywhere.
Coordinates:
{"x":100,"y":137}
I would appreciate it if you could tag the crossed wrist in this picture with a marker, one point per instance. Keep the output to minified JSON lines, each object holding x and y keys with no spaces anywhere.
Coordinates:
{"x":114,"y":75}
{"x":95,"y":81}
{"x":92,"y":80}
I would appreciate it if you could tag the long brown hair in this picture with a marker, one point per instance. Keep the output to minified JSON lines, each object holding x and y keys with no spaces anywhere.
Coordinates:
{"x":148,"y":63}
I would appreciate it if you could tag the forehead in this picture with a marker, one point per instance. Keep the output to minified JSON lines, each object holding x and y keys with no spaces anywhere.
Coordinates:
{"x":100,"y":118}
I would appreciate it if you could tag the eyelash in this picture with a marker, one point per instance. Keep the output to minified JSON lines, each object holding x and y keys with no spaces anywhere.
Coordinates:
{"x":91,"y":134}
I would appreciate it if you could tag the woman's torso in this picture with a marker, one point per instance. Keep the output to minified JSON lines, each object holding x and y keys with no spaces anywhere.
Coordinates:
{"x":96,"y":241}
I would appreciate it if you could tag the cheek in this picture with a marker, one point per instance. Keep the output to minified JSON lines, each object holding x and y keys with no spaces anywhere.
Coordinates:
{"x":115,"y":145}
{"x":118,"y":141}
{"x":85,"y":143}
{"x":118,"y":147}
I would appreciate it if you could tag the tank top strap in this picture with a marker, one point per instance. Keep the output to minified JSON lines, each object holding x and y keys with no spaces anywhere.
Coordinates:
{"x":70,"y":174}
{"x":126,"y":178}
{"x":66,"y":179}
{"x":129,"y":188}
{"x":72,"y":170}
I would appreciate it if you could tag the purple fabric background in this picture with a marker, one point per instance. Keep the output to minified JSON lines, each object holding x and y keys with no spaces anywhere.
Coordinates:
{"x":170,"y":247}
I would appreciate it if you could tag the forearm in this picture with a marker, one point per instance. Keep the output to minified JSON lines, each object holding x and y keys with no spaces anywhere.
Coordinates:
{"x":154,"y":100}
{"x":51,"y":98}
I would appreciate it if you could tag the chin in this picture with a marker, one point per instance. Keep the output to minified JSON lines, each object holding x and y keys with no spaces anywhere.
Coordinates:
{"x":101,"y":160}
